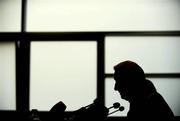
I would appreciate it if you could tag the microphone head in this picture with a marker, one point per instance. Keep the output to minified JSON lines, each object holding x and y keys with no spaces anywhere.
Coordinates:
{"x":121,"y":108}
{"x":58,"y":107}
{"x":116,"y":105}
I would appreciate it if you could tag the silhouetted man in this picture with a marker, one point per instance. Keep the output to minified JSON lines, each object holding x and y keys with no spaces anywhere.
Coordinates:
{"x":145,"y":102}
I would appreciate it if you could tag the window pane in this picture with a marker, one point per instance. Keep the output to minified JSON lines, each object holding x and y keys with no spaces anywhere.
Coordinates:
{"x":168,"y":88}
{"x":153,"y":54}
{"x":63,"y":71}
{"x":103,"y":15}
{"x":10,"y":14}
{"x":7,"y":76}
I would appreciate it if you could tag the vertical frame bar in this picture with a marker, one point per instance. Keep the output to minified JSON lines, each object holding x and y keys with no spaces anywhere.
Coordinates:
{"x":23,"y":15}
{"x":100,"y":70}
{"x":22,"y":75}
{"x":22,"y":65}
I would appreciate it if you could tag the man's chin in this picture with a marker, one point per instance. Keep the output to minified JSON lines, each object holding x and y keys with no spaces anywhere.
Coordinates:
{"x":124,"y":97}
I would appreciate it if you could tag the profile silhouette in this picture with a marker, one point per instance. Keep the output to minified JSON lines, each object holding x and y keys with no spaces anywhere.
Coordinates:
{"x":145,"y":102}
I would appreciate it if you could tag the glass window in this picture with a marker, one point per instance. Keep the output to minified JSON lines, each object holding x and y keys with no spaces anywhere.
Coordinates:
{"x":168,"y":88}
{"x":63,"y":71}
{"x":153,"y":54}
{"x":10,"y":14}
{"x":102,"y":15}
{"x":7,"y":76}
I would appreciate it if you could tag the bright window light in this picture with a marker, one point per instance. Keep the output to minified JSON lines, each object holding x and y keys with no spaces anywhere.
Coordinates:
{"x":63,"y":71}
{"x":7,"y":76}
{"x":103,"y":15}
{"x":10,"y":14}
{"x":153,"y":54}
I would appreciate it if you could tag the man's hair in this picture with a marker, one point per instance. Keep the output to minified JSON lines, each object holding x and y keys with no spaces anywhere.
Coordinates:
{"x":131,"y":70}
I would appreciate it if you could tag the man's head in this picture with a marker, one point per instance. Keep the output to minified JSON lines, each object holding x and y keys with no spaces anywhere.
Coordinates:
{"x":129,"y":78}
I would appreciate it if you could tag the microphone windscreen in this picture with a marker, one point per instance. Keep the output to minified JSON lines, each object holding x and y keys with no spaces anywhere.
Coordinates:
{"x":121,"y":108}
{"x":116,"y":105}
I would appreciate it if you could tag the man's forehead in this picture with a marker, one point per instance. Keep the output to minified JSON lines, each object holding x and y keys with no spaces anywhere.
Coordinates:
{"x":120,"y":77}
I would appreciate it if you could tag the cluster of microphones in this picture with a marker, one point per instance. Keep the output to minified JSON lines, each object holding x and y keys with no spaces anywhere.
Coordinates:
{"x":93,"y":111}
{"x":97,"y":110}
{"x":116,"y":106}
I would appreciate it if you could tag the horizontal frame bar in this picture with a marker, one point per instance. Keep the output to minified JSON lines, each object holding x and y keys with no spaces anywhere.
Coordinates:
{"x":79,"y":35}
{"x":154,"y":75}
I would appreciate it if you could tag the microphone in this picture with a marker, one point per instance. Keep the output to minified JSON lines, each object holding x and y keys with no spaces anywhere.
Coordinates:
{"x":96,"y":101}
{"x":115,"y":105}
{"x":121,"y":108}
{"x":59,"y":107}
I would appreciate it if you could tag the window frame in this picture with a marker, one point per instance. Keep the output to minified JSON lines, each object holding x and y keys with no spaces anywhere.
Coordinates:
{"x":24,"y":38}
